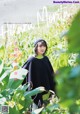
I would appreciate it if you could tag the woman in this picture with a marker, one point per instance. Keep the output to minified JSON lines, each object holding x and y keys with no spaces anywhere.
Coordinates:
{"x":41,"y":72}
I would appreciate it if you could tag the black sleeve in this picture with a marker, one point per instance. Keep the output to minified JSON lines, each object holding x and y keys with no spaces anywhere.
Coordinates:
{"x":52,"y":73}
{"x":26,"y":66}
{"x":51,"y":68}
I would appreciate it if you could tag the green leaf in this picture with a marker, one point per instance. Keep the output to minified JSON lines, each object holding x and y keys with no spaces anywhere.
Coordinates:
{"x":4,"y":75}
{"x":35,"y":91}
{"x":16,"y":78}
{"x":14,"y":110}
{"x":53,"y":107}
{"x":74,"y":35}
{"x":14,"y":83}
{"x":25,"y":87}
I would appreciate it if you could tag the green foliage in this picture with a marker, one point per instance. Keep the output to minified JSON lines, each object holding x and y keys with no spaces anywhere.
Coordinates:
{"x":12,"y":93}
{"x":74,"y":35}
{"x":2,"y":51}
{"x":51,"y":105}
{"x":60,"y":53}
{"x":68,"y":77}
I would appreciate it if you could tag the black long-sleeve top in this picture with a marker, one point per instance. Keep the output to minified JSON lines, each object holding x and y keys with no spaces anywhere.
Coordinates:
{"x":42,"y":74}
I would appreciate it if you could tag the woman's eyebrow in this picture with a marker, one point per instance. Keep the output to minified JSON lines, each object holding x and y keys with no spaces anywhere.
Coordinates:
{"x":41,"y":45}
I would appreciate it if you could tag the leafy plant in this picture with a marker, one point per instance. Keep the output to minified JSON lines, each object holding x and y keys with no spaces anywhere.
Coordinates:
{"x":13,"y":94}
{"x":68,"y":77}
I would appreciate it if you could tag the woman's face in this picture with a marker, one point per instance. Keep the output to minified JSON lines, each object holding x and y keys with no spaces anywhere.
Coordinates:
{"x":41,"y":49}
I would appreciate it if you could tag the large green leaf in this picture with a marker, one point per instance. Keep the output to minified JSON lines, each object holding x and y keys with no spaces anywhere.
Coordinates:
{"x":16,"y":78}
{"x":74,"y":35}
{"x":34,"y":91}
{"x":14,"y":110}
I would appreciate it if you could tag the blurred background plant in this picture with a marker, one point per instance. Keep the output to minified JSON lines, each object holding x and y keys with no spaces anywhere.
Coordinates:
{"x":69,"y":76}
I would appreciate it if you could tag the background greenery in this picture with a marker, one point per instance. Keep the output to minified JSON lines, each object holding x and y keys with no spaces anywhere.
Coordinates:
{"x":63,"y":39}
